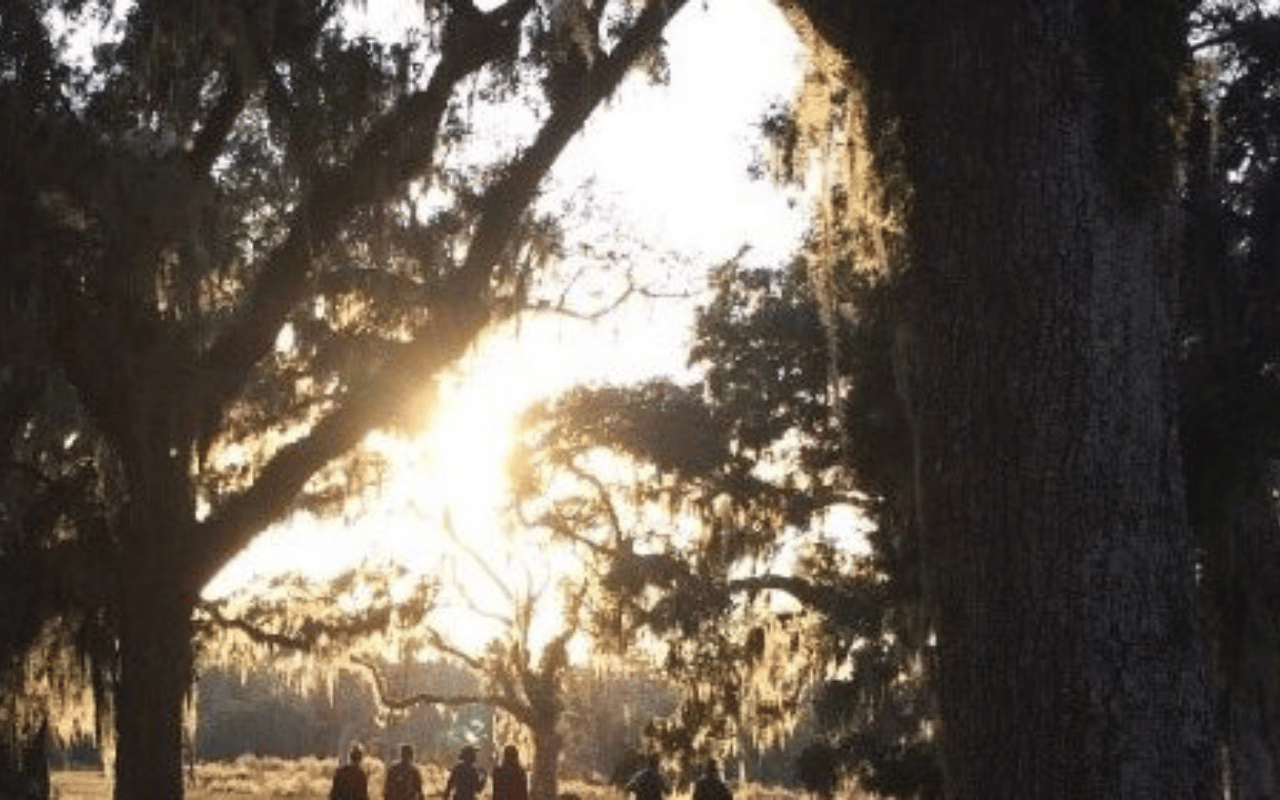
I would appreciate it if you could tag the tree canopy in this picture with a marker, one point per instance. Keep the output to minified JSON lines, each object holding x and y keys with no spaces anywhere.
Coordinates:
{"x":242,"y":238}
{"x":238,"y":237}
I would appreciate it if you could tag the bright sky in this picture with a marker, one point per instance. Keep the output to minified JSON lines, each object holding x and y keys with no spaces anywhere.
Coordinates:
{"x":670,"y":164}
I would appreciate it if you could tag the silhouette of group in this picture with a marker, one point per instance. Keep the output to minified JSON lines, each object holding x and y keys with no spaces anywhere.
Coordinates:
{"x":510,"y":781}
{"x":404,"y":781}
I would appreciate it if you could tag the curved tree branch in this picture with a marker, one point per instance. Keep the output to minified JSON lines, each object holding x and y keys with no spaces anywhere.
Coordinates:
{"x":398,"y":148}
{"x":418,"y":698}
{"x":461,"y":313}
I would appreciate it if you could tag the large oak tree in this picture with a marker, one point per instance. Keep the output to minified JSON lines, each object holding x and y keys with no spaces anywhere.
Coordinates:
{"x":1036,"y":141}
{"x":229,"y":221}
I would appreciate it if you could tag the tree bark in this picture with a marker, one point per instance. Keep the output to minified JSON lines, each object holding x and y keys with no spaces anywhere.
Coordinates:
{"x":155,"y":675}
{"x":543,"y":778}
{"x":24,"y":764}
{"x":1034,"y":361}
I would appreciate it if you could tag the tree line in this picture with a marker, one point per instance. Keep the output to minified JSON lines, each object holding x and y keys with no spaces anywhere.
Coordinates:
{"x":262,"y":712}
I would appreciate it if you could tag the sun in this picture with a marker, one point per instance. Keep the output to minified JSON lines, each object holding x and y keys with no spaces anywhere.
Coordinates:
{"x":694,"y":200}
{"x":470,"y":436}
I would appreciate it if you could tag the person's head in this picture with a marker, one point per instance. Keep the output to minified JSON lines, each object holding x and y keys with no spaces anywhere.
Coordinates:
{"x":406,"y":753}
{"x":357,"y":753}
{"x":510,"y":755}
{"x":651,"y":761}
{"x":468,"y":754}
{"x":713,"y":768}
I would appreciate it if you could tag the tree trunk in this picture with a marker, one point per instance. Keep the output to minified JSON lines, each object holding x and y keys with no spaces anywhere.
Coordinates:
{"x":1034,"y":361}
{"x":156,"y":670}
{"x":1058,"y":553}
{"x":543,"y":779}
{"x":24,"y":763}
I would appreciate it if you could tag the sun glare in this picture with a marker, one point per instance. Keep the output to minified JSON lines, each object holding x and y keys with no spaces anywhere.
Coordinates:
{"x":672,"y":161}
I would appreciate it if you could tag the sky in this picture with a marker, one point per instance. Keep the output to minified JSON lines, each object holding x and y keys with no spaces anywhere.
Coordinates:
{"x":668,"y":165}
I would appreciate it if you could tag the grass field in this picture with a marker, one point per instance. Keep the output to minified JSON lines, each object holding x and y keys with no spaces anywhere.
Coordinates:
{"x":308,"y":779}
{"x":80,"y":786}
{"x":246,"y":777}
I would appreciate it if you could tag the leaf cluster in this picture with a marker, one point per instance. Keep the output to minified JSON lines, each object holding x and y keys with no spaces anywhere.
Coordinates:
{"x":754,"y":603}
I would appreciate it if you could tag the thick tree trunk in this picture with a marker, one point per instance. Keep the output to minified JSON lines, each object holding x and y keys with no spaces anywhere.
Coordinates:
{"x":1226,"y":444}
{"x":543,"y":778}
{"x":1034,"y":362}
{"x":156,"y":670}
{"x":1058,"y":553}
{"x":24,"y":764}
{"x":155,"y":675}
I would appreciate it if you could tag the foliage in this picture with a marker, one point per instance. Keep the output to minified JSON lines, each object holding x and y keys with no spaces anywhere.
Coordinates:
{"x":703,"y":509}
{"x":1230,"y":416}
{"x":374,"y":606}
{"x":240,"y":237}
{"x":266,"y":713}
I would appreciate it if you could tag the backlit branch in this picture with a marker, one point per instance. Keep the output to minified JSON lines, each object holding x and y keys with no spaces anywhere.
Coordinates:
{"x":513,"y":194}
{"x":461,"y":313}
{"x":310,"y":634}
{"x":386,"y":700}
{"x":399,"y":147}
{"x":603,"y":495}
{"x":212,"y":136}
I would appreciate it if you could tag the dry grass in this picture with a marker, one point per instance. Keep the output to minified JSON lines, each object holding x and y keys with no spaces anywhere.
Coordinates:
{"x":80,"y":785}
{"x":249,"y":777}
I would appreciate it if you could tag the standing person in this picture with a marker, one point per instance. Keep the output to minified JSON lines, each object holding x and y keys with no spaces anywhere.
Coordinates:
{"x":711,"y":786}
{"x":465,"y":779}
{"x":510,"y":781}
{"x":403,"y":781}
{"x":350,"y":782}
{"x":647,"y":784}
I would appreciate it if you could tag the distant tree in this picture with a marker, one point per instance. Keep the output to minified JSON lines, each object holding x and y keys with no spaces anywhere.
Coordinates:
{"x":608,"y":704}
{"x":702,"y":505}
{"x":224,"y":227}
{"x":605,"y":712}
{"x":55,"y":512}
{"x":288,"y":633}
{"x":236,"y":707}
{"x":526,"y":683}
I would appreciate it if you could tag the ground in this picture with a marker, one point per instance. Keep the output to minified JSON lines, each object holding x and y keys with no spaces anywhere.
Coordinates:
{"x":308,"y":779}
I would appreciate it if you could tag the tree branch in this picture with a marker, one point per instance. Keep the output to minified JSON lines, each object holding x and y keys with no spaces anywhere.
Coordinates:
{"x":213,"y":134}
{"x":461,"y":311}
{"x":418,"y":698}
{"x":310,"y":634}
{"x":512,"y":194}
{"x":399,"y":147}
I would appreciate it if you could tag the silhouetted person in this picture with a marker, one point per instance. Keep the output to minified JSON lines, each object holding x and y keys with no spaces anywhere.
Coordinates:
{"x":465,"y":779}
{"x":510,"y":781}
{"x":711,"y":786}
{"x":350,"y":782}
{"x":403,"y":782}
{"x":647,"y":784}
